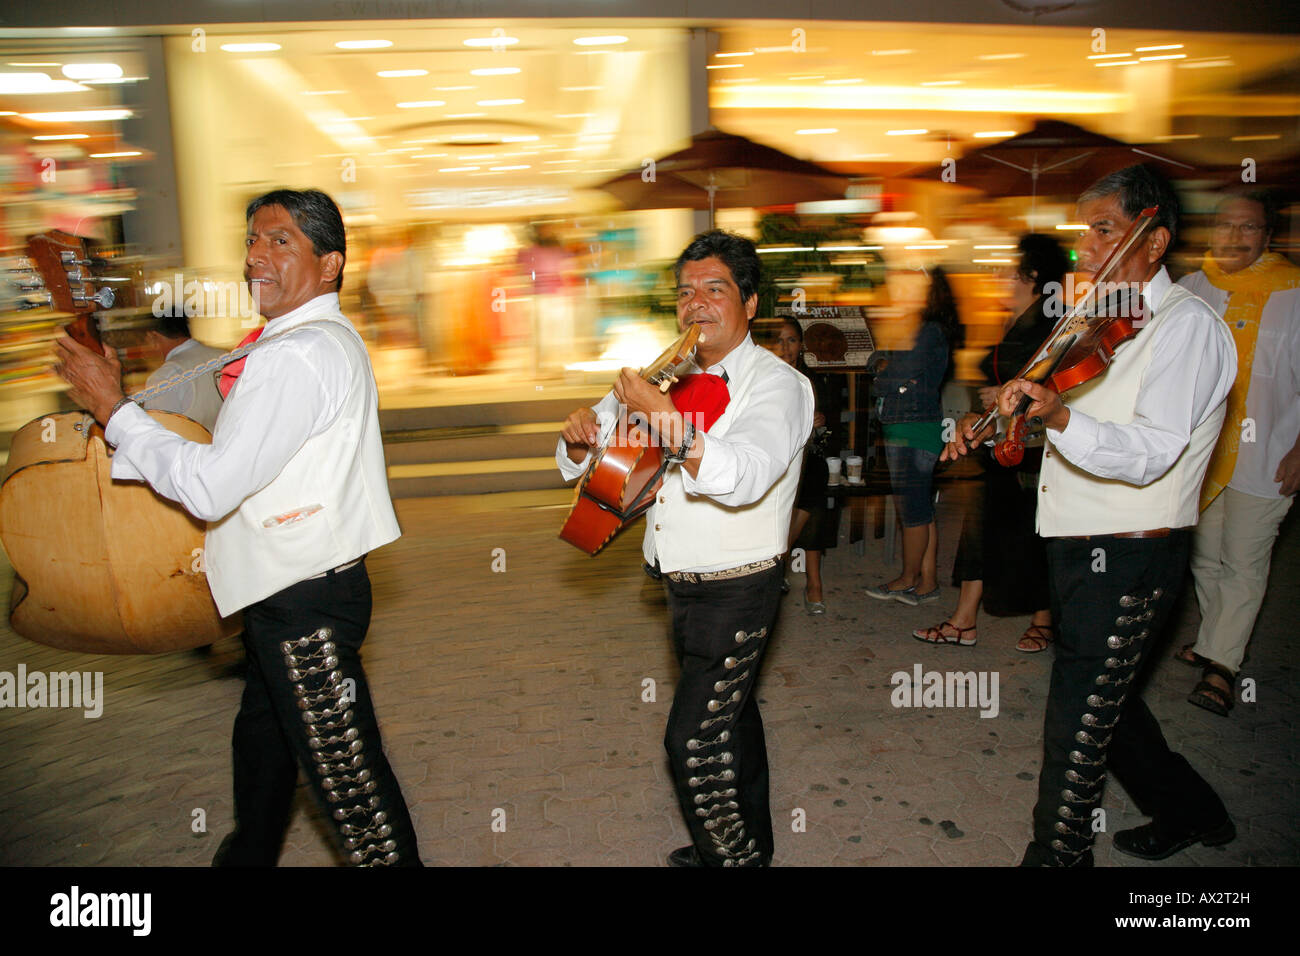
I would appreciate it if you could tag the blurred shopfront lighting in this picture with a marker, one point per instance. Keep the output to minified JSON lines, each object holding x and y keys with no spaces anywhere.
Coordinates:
{"x":491,"y":41}
{"x":906,"y":132}
{"x":994,"y":134}
{"x":420,"y":104}
{"x":494,"y":71}
{"x":92,"y":71}
{"x":56,"y":136}
{"x":363,"y":44}
{"x":1167,"y":46}
{"x":121,"y":155}
{"x":79,"y":116}
{"x":250,"y":47}
{"x":29,"y":83}
{"x":393,"y":74}
{"x":611,"y":40}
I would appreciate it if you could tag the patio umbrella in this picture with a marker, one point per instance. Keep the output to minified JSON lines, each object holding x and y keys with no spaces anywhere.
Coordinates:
{"x":721,"y":170}
{"x":1054,"y":158}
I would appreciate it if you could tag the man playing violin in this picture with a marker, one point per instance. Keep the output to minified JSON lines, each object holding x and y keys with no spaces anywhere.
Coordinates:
{"x":716,"y":532}
{"x":1117,"y":497}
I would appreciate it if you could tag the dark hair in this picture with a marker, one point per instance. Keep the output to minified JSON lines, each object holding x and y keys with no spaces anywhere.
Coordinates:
{"x":1042,"y":260}
{"x":941,"y":306}
{"x":315,"y":214}
{"x":799,"y":362}
{"x":176,"y":325}
{"x":737,"y":254}
{"x":1139,"y":187}
{"x":1267,"y":200}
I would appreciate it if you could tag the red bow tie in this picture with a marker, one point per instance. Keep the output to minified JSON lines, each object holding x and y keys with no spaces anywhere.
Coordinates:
{"x":236,"y":368}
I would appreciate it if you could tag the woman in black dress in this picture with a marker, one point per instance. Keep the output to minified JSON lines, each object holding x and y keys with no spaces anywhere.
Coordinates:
{"x":1001,"y":560}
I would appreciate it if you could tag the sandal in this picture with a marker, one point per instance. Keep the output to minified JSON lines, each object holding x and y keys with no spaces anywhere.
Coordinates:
{"x":1214,"y":699}
{"x":937,"y":635}
{"x":1188,"y":656}
{"x":1034,"y":640}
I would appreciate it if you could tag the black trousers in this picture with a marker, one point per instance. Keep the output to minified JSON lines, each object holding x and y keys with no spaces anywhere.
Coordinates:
{"x":307,"y":705}
{"x":1111,"y":599}
{"x":714,"y":739}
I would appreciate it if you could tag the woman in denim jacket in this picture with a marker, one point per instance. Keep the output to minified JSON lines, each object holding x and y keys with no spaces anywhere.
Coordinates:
{"x":907,"y":387}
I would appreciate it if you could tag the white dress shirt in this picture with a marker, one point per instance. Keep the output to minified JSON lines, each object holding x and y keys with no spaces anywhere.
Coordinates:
{"x":1273,"y":399}
{"x":297,"y":393}
{"x":747,"y":453}
{"x":1182,"y":384}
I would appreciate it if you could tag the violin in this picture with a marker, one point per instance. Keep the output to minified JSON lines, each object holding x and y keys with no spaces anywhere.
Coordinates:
{"x":1081,"y":345}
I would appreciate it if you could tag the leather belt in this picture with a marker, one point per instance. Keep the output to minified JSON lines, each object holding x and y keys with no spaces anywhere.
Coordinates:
{"x":695,"y":577}
{"x":1153,"y":533}
{"x":340,"y":569}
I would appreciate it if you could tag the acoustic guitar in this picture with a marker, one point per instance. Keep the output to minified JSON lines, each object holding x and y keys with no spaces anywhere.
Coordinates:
{"x":626,"y":471}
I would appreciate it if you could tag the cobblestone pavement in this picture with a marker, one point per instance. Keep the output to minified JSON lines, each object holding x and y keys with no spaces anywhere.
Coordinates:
{"x":523,"y":697}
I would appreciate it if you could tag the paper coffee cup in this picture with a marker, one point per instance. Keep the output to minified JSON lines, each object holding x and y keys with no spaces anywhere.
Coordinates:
{"x":833,"y":466}
{"x":853,"y":465}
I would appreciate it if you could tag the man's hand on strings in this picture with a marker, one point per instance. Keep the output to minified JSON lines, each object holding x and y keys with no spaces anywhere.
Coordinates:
{"x":95,"y":378}
{"x":581,"y":432}
{"x":1045,"y":403}
{"x":966,"y":437}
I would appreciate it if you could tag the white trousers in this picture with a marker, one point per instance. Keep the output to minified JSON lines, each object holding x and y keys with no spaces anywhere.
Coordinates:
{"x":1231,"y":552}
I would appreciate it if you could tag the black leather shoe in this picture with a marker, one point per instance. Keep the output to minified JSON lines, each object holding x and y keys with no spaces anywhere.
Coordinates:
{"x":1151,"y":842}
{"x":685,"y":856}
{"x":1035,"y":855}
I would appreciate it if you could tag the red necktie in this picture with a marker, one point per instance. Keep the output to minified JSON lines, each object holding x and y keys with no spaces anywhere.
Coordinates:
{"x":236,"y":368}
{"x":701,"y":394}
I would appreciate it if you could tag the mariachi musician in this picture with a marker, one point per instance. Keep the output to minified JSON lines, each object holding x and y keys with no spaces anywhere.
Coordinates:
{"x":716,"y":532}
{"x":1117,"y":498}
{"x":295,"y":492}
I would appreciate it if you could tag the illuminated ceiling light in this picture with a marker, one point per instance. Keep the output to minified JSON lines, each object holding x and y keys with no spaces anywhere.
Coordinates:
{"x":993,"y":262}
{"x":1164,"y":56}
{"x":891,"y":52}
{"x":992,"y":248}
{"x":135,"y":152}
{"x":1117,"y":63}
{"x":942,"y":83}
{"x":1250,"y":139}
{"x":491,"y":41}
{"x":459,"y":169}
{"x":1205,"y":63}
{"x":1173,"y":136}
{"x":79,"y":116}
{"x":52,"y":136}
{"x":505,"y":102}
{"x":994,"y":134}
{"x":503,"y":169}
{"x":1001,"y":56}
{"x":250,"y":47}
{"x":1072,"y":226}
{"x":724,"y":66}
{"x":843,"y":82}
{"x":363,"y":44}
{"x":724,"y":55}
{"x":1167,"y":46}
{"x":906,"y":132}
{"x":1109,"y":56}
{"x":928,"y":245}
{"x":611,"y":40}
{"x":391,"y":74}
{"x":494,"y":71}
{"x":92,"y":71}
{"x":419,"y":104}
{"x":37,"y":83}
{"x":816,"y":132}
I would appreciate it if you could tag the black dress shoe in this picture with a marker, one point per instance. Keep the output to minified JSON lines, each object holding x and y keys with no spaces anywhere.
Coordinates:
{"x":1151,"y":842}
{"x":1035,"y":855}
{"x":685,"y":856}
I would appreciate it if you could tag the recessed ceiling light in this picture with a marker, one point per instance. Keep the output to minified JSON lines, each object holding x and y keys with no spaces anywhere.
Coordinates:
{"x":1002,"y":56}
{"x":994,"y":134}
{"x":1109,"y":56}
{"x":250,"y":47}
{"x":419,"y":104}
{"x":906,"y":132}
{"x":491,"y":41}
{"x":37,"y":83}
{"x":79,"y":116}
{"x":92,"y":71}
{"x":725,"y":66}
{"x":610,"y":40}
{"x":363,"y":44}
{"x":505,"y":102}
{"x":391,"y":74}
{"x":816,"y":132}
{"x":891,"y":52}
{"x":1164,"y":56}
{"x":495,"y":71}
{"x":53,"y":136}
{"x":130,"y":152}
{"x":459,"y":169}
{"x":464,"y":115}
{"x":1167,"y":46}
{"x":725,"y":55}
